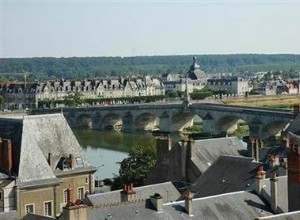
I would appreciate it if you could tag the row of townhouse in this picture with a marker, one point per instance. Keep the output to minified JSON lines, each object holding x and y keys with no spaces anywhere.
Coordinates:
{"x":20,"y":95}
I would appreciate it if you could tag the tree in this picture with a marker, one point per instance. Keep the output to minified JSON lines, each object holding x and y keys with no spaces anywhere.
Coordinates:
{"x":73,"y":99}
{"x":136,"y":166}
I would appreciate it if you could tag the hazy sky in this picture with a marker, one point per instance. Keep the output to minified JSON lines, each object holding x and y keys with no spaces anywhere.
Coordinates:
{"x":131,"y":28}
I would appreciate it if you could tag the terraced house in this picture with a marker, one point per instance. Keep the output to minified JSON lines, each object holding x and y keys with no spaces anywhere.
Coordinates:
{"x":21,"y":95}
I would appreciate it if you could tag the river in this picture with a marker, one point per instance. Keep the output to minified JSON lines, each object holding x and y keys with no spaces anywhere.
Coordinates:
{"x":104,"y":149}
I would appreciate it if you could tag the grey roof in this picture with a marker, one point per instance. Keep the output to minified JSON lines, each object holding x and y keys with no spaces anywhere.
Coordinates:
{"x":282,"y":192}
{"x":33,"y":138}
{"x":167,"y":190}
{"x":284,"y":216}
{"x":227,"y":174}
{"x":36,"y":217}
{"x":12,"y":215}
{"x":207,"y":151}
{"x":239,"y":205}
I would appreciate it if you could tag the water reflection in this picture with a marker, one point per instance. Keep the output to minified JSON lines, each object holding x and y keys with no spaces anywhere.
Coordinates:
{"x":109,"y":148}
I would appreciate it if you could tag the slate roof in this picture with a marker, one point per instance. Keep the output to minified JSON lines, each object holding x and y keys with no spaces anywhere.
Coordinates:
{"x":167,"y":190}
{"x":282,"y":192}
{"x":238,"y":205}
{"x":36,"y":217}
{"x":226,"y":174}
{"x":284,"y":216}
{"x":207,"y":151}
{"x":12,"y":215}
{"x":33,"y":138}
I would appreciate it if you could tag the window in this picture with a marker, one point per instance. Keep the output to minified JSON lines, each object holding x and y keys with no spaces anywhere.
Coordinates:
{"x":79,"y":161}
{"x":48,"y":208}
{"x":29,"y":208}
{"x":80,"y":193}
{"x":86,"y":180}
{"x":65,"y":195}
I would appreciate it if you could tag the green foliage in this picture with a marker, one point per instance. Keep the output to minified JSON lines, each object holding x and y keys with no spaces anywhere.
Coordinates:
{"x":91,"y":67}
{"x":254,"y":92}
{"x":136,"y":166}
{"x":73,"y":99}
{"x":172,"y":94}
{"x":198,"y":94}
{"x":196,"y":128}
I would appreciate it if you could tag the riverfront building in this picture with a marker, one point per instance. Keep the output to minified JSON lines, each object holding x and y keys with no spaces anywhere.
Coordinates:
{"x":20,"y":96}
{"x":40,"y":160}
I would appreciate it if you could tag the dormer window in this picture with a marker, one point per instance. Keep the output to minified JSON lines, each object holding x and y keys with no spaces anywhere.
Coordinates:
{"x":64,"y":163}
{"x":79,"y":161}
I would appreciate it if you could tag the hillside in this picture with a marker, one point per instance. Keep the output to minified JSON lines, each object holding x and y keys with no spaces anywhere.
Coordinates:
{"x":89,"y":67}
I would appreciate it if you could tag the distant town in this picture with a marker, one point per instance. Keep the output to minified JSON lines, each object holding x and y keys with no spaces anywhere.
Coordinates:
{"x":233,"y":160}
{"x":24,"y":94}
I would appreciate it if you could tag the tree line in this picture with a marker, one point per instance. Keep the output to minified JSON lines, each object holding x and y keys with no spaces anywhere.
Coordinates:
{"x":76,"y":68}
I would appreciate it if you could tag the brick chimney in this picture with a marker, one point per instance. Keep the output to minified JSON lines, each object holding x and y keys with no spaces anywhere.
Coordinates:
{"x":157,"y":201}
{"x":70,"y":197}
{"x":274,"y":193}
{"x":6,"y":155}
{"x":293,"y":163}
{"x":71,"y":161}
{"x":127,"y":194}
{"x":188,"y":202}
{"x":260,"y":180}
{"x":273,"y":160}
{"x":74,"y":210}
{"x":49,"y":159}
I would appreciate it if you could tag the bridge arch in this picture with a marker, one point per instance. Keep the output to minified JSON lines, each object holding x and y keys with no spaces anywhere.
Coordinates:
{"x":146,"y":122}
{"x":112,"y":121}
{"x":232,"y":124}
{"x":84,"y":121}
{"x":179,"y":121}
{"x":274,"y":128}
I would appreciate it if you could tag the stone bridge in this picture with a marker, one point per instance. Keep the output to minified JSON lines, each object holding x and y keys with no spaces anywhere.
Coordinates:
{"x":216,"y":118}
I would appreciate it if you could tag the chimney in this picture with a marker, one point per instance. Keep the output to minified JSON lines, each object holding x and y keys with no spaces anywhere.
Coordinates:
{"x":71,"y":161}
{"x":127,"y":194}
{"x":6,"y":155}
{"x":296,"y":109}
{"x":274,"y":193}
{"x":70,"y":197}
{"x":188,"y":202}
{"x":74,"y":210}
{"x":157,"y":202}
{"x":273,"y":160}
{"x":190,"y":148}
{"x":261,"y":144}
{"x":49,"y":159}
{"x":257,"y":150}
{"x":252,"y":142}
{"x":163,"y":146}
{"x":259,"y":180}
{"x":293,"y":163}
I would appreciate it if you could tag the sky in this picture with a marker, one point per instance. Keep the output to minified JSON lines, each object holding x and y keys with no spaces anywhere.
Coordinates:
{"x":65,"y":28}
